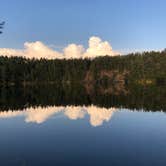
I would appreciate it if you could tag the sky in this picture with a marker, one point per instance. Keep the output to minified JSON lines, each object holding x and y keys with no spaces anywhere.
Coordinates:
{"x":125,"y":25}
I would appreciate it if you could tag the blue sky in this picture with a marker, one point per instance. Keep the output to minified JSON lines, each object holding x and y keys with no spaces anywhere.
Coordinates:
{"x":127,"y":24}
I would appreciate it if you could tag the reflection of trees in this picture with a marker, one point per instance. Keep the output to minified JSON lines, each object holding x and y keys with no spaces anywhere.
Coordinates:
{"x":137,"y":97}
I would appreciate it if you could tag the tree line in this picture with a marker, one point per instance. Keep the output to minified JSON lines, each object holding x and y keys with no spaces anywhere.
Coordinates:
{"x":141,"y":68}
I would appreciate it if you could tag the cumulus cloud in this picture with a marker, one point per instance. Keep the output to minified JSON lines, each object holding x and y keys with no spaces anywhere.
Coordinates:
{"x":32,"y":50}
{"x":73,"y":51}
{"x":39,"y":115}
{"x":38,"y":50}
{"x":11,"y":52}
{"x":97,"y":47}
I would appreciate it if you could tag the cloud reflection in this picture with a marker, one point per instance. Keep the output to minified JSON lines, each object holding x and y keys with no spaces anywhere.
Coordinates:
{"x":39,"y":114}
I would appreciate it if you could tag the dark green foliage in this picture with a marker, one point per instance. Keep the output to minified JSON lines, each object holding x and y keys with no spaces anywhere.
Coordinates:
{"x":19,"y":70}
{"x":146,"y":67}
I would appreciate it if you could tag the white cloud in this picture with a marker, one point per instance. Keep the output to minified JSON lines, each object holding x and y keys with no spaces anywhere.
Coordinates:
{"x":32,"y":50}
{"x":73,"y":51}
{"x":38,"y":50}
{"x":97,"y":47}
{"x":11,"y":52}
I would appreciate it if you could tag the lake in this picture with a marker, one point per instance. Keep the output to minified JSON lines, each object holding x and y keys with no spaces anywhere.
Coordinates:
{"x":69,"y":126}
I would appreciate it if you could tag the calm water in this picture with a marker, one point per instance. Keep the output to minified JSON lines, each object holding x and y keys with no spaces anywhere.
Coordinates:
{"x":80,"y":134}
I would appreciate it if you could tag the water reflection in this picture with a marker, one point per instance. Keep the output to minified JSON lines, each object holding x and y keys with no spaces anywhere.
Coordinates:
{"x":39,"y":115}
{"x":149,"y":98}
{"x":51,"y":125}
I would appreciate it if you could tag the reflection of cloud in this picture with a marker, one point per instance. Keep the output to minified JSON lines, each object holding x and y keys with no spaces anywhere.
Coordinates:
{"x":38,"y":50}
{"x":74,"y":113}
{"x":10,"y":114}
{"x":36,"y":115}
{"x":98,"y":116}
{"x":39,"y":114}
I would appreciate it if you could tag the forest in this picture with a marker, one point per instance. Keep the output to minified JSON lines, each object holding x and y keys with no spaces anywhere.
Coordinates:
{"x":137,"y":68}
{"x":134,"y":81}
